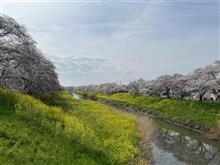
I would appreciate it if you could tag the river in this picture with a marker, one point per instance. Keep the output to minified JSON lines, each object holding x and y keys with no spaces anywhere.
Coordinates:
{"x":174,"y":145}
{"x":178,"y":146}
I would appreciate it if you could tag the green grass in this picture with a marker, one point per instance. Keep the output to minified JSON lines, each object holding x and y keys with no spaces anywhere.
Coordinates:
{"x":26,"y":143}
{"x":205,"y":114}
{"x":63,"y":130}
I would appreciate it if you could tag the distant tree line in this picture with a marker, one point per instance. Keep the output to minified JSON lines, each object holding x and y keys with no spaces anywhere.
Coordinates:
{"x":22,"y":66}
{"x":202,"y":83}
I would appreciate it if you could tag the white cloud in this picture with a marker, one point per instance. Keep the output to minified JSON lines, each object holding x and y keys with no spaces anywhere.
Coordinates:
{"x":86,"y":65}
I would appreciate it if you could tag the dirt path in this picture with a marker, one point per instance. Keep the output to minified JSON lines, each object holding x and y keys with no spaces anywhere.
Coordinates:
{"x":147,"y":130}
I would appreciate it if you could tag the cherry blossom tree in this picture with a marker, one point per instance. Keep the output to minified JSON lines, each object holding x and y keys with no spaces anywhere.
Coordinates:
{"x":22,"y":65}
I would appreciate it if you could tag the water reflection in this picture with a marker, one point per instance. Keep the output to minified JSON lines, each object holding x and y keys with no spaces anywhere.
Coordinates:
{"x":176,"y":148}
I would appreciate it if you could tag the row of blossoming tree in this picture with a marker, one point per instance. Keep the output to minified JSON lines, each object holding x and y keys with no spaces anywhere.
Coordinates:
{"x":201,"y":84}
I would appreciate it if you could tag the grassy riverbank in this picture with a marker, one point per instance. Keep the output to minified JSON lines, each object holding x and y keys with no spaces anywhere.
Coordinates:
{"x":194,"y":113}
{"x":62,"y":130}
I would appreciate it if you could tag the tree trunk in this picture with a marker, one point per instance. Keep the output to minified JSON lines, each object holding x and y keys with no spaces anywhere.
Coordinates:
{"x":200,"y":97}
{"x":168,"y":93}
{"x":182,"y":97}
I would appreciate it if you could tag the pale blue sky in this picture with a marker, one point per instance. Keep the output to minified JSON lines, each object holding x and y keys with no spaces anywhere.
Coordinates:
{"x":96,"y":42}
